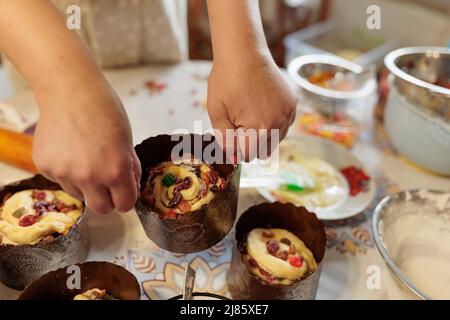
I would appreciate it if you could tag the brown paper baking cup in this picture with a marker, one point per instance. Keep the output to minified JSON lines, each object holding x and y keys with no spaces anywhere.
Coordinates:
{"x":117,"y":281}
{"x":22,"y":264}
{"x":244,"y":285}
{"x":198,"y":230}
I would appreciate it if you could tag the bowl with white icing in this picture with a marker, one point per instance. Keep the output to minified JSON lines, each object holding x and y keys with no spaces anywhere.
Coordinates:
{"x":412,"y":233}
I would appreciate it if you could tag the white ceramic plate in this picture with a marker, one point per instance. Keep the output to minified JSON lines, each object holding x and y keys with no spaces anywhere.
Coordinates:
{"x":339,"y":157}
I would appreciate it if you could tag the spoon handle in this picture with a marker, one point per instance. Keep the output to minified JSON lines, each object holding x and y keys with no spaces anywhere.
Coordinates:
{"x":189,"y":280}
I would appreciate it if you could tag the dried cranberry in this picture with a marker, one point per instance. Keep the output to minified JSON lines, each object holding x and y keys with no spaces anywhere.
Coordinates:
{"x":268,"y":233}
{"x":28,"y":220}
{"x":283,"y":255}
{"x":252,"y":263}
{"x":296,"y":261}
{"x":269,"y":278}
{"x":285,"y":241}
{"x":272,"y":246}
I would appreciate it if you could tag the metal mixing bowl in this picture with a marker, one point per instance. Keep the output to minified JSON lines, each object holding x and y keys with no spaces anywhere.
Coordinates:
{"x":417,"y":114}
{"x":416,"y":72}
{"x":357,"y":101}
{"x":411,"y":230}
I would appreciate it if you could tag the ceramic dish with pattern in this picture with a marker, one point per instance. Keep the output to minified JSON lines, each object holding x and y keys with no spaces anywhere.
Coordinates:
{"x":322,"y":176}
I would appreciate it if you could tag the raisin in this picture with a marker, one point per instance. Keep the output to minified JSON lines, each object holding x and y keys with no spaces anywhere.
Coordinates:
{"x":292,"y":249}
{"x":175,"y":200}
{"x":252,"y":263}
{"x":214,"y":189}
{"x":38,"y":195}
{"x":272,"y":246}
{"x":212,"y":177}
{"x":243,"y":247}
{"x":268,"y":233}
{"x":285,"y":241}
{"x":283,"y":255}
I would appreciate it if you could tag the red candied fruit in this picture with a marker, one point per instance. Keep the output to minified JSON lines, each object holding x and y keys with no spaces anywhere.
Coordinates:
{"x":296,"y":261}
{"x":357,"y":179}
{"x":170,"y":215}
{"x":28,"y":220}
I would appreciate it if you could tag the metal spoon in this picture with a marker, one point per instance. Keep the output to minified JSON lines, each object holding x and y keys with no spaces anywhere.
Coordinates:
{"x":189,"y":280}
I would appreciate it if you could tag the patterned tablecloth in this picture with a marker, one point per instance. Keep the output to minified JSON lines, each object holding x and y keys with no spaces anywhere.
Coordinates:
{"x":163,"y":98}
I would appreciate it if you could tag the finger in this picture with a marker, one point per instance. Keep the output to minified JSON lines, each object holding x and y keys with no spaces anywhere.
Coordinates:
{"x":223,"y":128}
{"x":124,"y":191}
{"x":98,"y":198}
{"x":248,"y":143}
{"x":71,"y":189}
{"x":137,"y":170}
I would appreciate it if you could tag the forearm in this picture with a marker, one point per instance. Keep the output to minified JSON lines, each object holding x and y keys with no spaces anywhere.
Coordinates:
{"x":49,"y":56}
{"x":236,"y":28}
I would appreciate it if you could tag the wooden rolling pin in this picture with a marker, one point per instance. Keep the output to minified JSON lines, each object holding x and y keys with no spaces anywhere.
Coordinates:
{"x":16,"y":150}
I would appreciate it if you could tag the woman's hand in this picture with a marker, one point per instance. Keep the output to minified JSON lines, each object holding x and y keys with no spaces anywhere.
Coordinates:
{"x":87,"y":145}
{"x":246,"y":89}
{"x":250,"y":93}
{"x":83,"y":138}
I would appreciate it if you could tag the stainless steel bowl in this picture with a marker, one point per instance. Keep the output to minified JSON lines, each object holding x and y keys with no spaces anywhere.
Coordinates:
{"x":362,"y":94}
{"x":417,"y":115}
{"x":416,"y":72}
{"x":412,"y":233}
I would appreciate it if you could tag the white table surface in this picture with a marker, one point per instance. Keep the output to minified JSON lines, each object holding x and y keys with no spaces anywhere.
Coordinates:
{"x":120,"y":238}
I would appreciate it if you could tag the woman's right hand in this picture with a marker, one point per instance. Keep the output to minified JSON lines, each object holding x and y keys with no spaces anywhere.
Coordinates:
{"x":86,"y":146}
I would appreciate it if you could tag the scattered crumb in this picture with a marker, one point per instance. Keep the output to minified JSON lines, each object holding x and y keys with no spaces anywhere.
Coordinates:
{"x":155,"y":87}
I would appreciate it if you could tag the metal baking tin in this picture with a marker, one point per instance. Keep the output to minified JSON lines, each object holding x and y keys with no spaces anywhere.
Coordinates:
{"x":243,"y":285}
{"x":117,"y":281}
{"x":22,"y":264}
{"x":198,"y":230}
